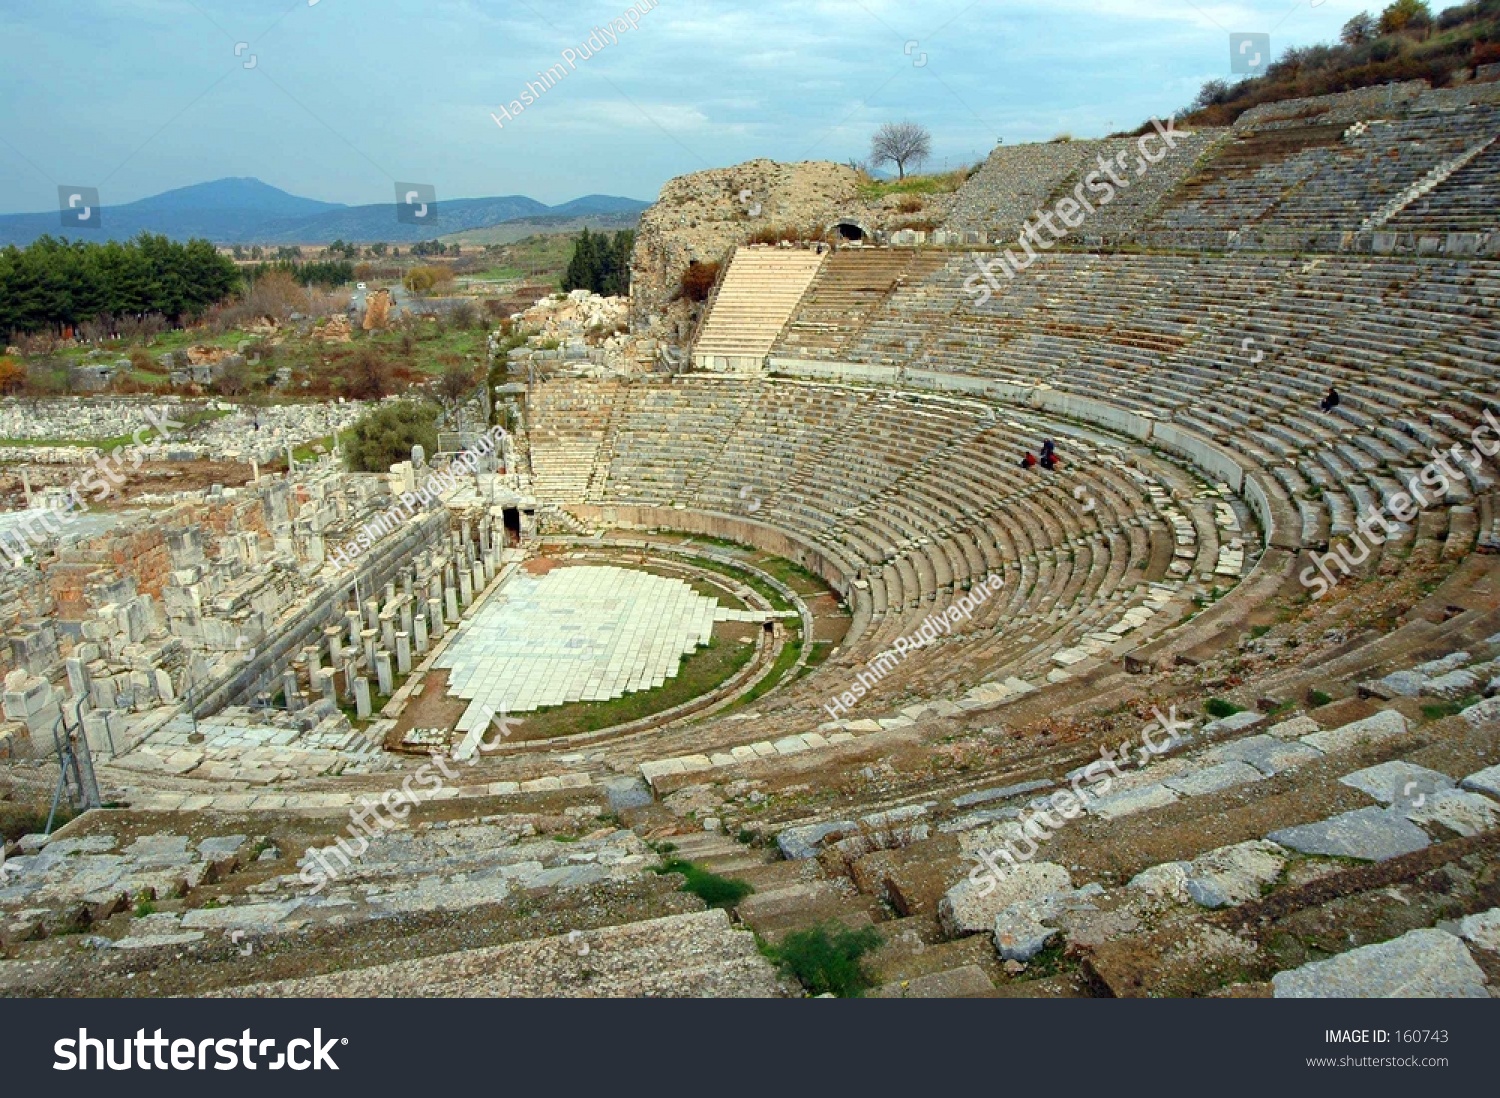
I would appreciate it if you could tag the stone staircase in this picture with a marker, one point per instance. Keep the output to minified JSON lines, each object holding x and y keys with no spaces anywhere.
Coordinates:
{"x":1425,"y":186}
{"x":757,"y":297}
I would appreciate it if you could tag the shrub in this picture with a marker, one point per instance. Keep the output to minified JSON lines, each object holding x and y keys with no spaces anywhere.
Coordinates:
{"x":785,"y":234}
{"x":910,"y":204}
{"x":1485,"y":53}
{"x":464,"y":316}
{"x":367,"y":376}
{"x":1218,"y":708}
{"x":1317,"y":699}
{"x":698,"y":281}
{"x":386,"y":435}
{"x":712,"y":889}
{"x":825,"y":961}
{"x":424,"y":280}
{"x":12,"y":376}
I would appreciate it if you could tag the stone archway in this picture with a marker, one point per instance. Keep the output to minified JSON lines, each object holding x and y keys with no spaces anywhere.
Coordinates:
{"x":846,"y":230}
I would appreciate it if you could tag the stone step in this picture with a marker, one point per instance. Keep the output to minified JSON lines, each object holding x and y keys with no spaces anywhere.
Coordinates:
{"x":695,"y":955}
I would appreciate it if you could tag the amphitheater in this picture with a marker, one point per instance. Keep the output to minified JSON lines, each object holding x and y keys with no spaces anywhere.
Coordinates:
{"x":838,"y":463}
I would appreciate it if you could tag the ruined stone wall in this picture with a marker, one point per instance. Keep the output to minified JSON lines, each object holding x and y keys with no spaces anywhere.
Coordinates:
{"x":702,"y":216}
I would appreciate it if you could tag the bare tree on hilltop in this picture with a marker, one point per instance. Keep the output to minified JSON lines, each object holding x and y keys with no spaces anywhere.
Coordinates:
{"x":900,"y":143}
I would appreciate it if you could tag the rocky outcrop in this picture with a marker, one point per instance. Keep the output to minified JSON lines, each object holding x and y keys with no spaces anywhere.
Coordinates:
{"x":702,"y":216}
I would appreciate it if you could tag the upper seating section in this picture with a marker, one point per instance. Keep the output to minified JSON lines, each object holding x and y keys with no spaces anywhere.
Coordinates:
{"x":851,"y":285}
{"x":1239,"y":349}
{"x":1464,"y":202}
{"x":1325,"y":177}
{"x":1014,"y":182}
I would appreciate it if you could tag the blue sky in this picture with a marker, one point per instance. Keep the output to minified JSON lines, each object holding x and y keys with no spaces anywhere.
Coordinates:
{"x":343,"y":97}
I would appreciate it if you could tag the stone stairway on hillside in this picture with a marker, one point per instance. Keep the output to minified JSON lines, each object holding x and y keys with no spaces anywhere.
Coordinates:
{"x":757,"y":297}
{"x":1424,"y":186}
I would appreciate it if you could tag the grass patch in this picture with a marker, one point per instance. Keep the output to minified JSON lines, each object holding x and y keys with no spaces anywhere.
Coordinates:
{"x":1258,"y":631}
{"x":940,"y":183}
{"x":818,"y":655}
{"x":1218,"y":708}
{"x":784,"y":661}
{"x":776,"y":599}
{"x":1317,"y":699}
{"x":17,"y":820}
{"x":712,"y":889}
{"x":1441,"y":710}
{"x":702,"y":672}
{"x":827,"y":959}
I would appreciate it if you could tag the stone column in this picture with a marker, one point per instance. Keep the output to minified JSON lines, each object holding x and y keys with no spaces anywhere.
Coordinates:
{"x":289,"y":688}
{"x":403,"y":653}
{"x":435,"y":617}
{"x":325,"y":684}
{"x":406,"y":615}
{"x":450,"y":603}
{"x":370,"y":638}
{"x":466,"y":588}
{"x":419,"y":634}
{"x":78,"y":677}
{"x":384,"y":676}
{"x":372,"y":614}
{"x":362,"y":698}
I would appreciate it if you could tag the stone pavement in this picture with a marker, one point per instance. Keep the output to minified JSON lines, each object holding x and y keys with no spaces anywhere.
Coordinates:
{"x":587,"y":633}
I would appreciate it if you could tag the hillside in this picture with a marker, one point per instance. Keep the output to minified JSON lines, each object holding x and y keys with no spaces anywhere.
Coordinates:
{"x":1405,"y":41}
{"x":247,"y":211}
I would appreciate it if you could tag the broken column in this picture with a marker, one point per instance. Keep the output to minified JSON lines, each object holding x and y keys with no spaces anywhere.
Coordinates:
{"x":78,"y":677}
{"x":403,"y":653}
{"x":362,"y":698}
{"x":385,"y":679}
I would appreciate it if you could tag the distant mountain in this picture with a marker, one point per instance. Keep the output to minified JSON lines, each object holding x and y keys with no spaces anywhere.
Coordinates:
{"x":508,"y":232}
{"x":594,"y":205}
{"x":247,"y":211}
{"x":242,"y":194}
